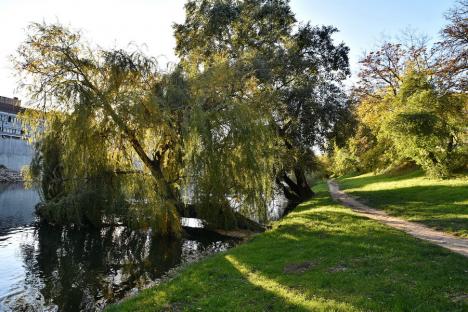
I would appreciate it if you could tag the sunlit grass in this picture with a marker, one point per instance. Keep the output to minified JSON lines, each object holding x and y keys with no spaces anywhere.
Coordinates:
{"x":441,"y":204}
{"x":356,"y":265}
{"x":290,"y":296}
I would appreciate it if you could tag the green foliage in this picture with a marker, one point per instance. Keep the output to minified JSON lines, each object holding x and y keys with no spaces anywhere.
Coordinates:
{"x":230,"y":145}
{"x":418,"y":123}
{"x":427,"y":126}
{"x":227,"y":154}
{"x":123,"y":142}
{"x":343,"y":162}
{"x":254,"y":92}
{"x":296,"y":68}
{"x":49,"y":172}
{"x":76,"y":177}
{"x":410,"y":104}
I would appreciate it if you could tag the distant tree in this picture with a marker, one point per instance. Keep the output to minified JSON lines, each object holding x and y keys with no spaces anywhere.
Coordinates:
{"x":421,"y":123}
{"x":297,"y":67}
{"x":446,"y":62}
{"x":453,"y":51}
{"x":410,"y":103}
{"x":384,"y":67}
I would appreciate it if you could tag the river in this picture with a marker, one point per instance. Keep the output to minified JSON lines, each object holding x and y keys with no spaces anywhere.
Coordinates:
{"x":44,"y":268}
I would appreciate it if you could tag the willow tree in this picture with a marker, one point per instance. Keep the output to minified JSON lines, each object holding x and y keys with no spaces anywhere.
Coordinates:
{"x":297,"y":66}
{"x":126,"y":142}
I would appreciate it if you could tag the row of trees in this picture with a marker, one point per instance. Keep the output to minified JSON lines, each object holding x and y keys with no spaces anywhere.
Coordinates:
{"x":212,"y":137}
{"x":410,"y":105}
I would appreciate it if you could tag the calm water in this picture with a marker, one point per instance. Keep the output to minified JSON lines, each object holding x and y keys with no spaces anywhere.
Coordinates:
{"x":45,"y":268}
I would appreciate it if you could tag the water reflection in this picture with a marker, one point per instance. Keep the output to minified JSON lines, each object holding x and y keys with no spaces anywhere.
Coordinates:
{"x":66,"y":269}
{"x":16,"y":206}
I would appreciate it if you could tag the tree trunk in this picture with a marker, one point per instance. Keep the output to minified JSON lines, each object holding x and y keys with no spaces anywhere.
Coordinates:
{"x":287,"y":192}
{"x":301,"y":188}
{"x":244,"y":223}
{"x":295,"y":192}
{"x":306,"y":191}
{"x":292,"y":186}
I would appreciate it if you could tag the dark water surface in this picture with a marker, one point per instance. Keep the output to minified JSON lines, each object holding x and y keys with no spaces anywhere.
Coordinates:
{"x":45,"y":268}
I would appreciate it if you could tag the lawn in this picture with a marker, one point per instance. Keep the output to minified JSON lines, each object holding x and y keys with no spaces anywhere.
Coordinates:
{"x":440,"y":204}
{"x":321,"y":257}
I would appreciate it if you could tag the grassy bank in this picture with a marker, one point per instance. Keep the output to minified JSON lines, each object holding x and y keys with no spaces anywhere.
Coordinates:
{"x":440,"y":204}
{"x":322,"y":257}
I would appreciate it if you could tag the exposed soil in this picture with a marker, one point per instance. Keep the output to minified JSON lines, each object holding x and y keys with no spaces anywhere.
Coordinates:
{"x":298,"y":267}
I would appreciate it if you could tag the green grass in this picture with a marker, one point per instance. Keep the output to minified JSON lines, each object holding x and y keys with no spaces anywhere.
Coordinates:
{"x":358,"y":265}
{"x":440,"y":204}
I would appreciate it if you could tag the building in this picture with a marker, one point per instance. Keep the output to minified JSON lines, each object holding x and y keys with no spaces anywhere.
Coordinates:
{"x":15,"y":151}
{"x":10,"y":125}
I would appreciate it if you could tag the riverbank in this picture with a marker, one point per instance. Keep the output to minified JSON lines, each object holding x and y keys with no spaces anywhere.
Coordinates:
{"x":10,"y":176}
{"x":321,"y":257}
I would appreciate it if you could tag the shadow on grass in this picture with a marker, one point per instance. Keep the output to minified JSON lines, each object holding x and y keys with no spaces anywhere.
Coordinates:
{"x":363,"y":180}
{"x":439,"y":206}
{"x":292,"y":297}
{"x":354,"y":264}
{"x":443,"y":194}
{"x":358,"y":262}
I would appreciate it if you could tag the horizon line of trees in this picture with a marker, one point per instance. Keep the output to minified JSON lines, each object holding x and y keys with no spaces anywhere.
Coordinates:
{"x":410,"y":105}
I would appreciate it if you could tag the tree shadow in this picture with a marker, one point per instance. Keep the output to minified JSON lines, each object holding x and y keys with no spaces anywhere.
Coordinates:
{"x":357,"y":262}
{"x":439,"y":206}
{"x":363,"y":180}
{"x":353,"y":264}
{"x":295,"y":298}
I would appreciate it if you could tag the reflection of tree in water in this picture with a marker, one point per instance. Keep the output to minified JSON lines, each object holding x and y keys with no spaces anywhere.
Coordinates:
{"x":84,"y":269}
{"x":16,"y":206}
{"x":80,"y":269}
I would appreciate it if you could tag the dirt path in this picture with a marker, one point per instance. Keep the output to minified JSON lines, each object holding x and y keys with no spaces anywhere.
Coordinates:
{"x":455,"y":244}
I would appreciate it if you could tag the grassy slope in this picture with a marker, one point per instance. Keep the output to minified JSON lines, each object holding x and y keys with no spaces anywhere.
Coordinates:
{"x":359,"y":265}
{"x":441,"y":204}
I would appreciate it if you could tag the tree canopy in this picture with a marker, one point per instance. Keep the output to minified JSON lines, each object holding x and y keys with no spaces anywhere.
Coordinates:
{"x":119,"y":130}
{"x":255,"y":91}
{"x":297,"y":66}
{"x":410,"y":105}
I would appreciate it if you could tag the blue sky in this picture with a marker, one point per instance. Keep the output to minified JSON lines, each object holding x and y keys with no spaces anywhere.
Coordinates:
{"x":362,"y":23}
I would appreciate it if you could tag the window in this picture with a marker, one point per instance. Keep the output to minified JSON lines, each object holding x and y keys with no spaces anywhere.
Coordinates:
{"x":9,"y":118}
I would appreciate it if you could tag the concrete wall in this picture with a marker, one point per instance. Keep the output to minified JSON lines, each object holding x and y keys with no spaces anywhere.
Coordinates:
{"x":15,"y":153}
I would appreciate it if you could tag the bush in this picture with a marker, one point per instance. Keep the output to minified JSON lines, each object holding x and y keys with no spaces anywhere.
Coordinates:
{"x":343,"y":162}
{"x":427,"y":127}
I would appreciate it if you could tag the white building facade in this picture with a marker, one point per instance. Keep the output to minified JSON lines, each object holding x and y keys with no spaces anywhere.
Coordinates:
{"x":15,"y":151}
{"x":10,"y":125}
